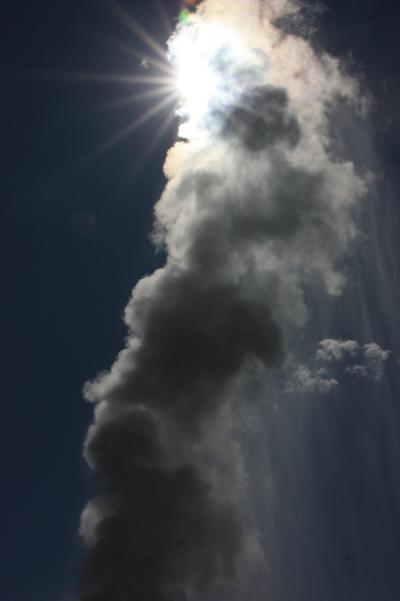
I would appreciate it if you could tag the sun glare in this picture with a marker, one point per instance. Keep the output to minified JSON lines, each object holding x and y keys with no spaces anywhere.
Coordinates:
{"x":197,"y":53}
{"x":193,"y":79}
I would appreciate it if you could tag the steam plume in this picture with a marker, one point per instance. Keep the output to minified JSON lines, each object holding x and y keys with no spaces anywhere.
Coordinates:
{"x":256,"y":207}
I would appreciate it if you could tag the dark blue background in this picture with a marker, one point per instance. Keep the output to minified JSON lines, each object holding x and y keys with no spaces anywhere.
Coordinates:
{"x":66,"y":276}
{"x":75,"y":239}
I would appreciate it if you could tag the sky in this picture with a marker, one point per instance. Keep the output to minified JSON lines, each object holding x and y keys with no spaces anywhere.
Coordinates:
{"x":75,"y":240}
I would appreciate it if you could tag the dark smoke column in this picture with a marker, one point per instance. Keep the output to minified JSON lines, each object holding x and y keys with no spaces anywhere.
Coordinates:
{"x":254,"y":207}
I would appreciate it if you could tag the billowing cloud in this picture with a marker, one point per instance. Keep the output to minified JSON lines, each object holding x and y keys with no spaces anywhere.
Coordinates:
{"x":255,"y":208}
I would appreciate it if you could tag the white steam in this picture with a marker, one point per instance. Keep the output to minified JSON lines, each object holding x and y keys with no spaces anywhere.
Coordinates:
{"x":256,"y":208}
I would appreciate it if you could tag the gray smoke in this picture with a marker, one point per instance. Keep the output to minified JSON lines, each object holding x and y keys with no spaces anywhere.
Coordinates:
{"x":254,"y":209}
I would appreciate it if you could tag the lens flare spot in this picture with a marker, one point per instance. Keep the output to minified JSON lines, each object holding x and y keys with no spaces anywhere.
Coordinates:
{"x":184,"y":16}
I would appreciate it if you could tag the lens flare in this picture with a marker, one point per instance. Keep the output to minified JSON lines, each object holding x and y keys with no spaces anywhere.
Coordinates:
{"x":184,"y":15}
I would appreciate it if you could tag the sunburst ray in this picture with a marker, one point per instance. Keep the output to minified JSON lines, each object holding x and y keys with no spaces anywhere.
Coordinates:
{"x":128,"y":129}
{"x":163,"y":65}
{"x":121,"y":13}
{"x":136,"y":97}
{"x":164,"y":17}
{"x":122,"y":78}
{"x":150,"y":149}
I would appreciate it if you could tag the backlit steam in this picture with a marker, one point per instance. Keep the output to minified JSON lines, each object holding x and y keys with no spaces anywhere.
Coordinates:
{"x":207,"y":58}
{"x":256,"y":206}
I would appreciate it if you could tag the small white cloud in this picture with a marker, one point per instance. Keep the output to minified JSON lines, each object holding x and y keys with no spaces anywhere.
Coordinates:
{"x":344,"y":357}
{"x":370,"y":358}
{"x":360,"y":371}
{"x":374,"y":352}
{"x":303,"y":380}
{"x":336,"y":350}
{"x":375,"y":357}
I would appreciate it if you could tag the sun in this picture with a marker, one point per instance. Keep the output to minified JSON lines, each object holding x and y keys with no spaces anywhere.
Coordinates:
{"x":198,"y":53}
{"x":186,"y":80}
